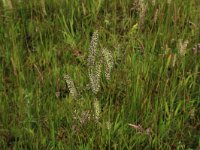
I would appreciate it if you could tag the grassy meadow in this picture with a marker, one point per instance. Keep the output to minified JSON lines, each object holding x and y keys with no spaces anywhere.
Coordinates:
{"x":99,"y":74}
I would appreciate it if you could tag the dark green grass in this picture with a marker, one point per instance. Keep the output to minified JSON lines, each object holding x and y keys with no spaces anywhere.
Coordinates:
{"x":37,"y":50}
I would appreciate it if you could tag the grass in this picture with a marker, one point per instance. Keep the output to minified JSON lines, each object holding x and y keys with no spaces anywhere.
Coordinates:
{"x":151,"y":100}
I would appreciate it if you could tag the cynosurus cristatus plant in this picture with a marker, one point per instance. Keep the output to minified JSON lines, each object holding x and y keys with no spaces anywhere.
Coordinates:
{"x":94,"y":66}
{"x":97,"y":59}
{"x":97,"y":109}
{"x":108,"y":62}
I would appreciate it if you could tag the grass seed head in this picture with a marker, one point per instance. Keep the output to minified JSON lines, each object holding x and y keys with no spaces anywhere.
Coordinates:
{"x":182,"y":45}
{"x":71,"y":86}
{"x":108,"y":62}
{"x":142,"y":12}
{"x":97,"y":109}
{"x":94,"y":76}
{"x":94,"y":66}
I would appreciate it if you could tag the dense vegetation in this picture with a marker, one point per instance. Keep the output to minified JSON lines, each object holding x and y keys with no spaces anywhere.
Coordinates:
{"x":151,"y":99}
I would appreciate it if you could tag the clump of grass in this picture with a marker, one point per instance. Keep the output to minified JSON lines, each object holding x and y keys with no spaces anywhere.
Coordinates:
{"x":95,"y":62}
